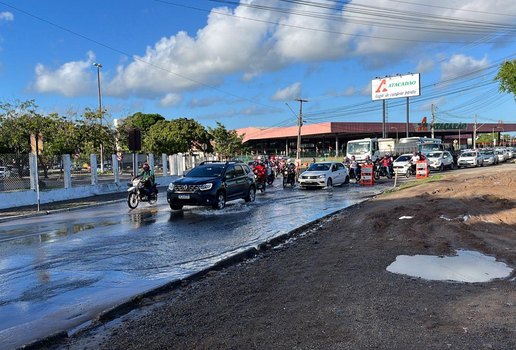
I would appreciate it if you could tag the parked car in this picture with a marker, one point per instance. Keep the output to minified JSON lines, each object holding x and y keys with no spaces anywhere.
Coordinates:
{"x":401,"y":165}
{"x":489,"y":157}
{"x":324,"y":174}
{"x":4,"y":172}
{"x":501,"y":155}
{"x":212,"y":184}
{"x":470,"y":159}
{"x":440,"y":160}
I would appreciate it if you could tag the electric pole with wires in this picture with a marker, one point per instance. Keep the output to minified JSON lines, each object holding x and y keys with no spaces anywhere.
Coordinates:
{"x":299,"y":125}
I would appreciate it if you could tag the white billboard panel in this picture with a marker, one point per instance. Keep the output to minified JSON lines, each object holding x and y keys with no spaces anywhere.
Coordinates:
{"x":395,"y":87}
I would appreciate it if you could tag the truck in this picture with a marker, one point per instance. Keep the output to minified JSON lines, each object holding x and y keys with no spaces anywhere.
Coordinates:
{"x":377,"y":147}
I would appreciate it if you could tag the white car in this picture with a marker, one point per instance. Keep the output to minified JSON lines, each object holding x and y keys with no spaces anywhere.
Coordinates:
{"x":489,"y":157}
{"x":401,"y":165}
{"x":440,"y":160}
{"x":324,"y":174}
{"x":471,"y":158}
{"x":4,"y":172}
{"x":502,"y":156}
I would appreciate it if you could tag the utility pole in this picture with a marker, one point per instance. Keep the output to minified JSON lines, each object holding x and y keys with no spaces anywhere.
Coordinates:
{"x":475,"y":133}
{"x":299,"y":125}
{"x":433,"y":122}
{"x":98,"y":65}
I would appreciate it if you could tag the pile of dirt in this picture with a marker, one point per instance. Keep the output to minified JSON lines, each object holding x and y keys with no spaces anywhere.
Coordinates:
{"x":329,"y":288}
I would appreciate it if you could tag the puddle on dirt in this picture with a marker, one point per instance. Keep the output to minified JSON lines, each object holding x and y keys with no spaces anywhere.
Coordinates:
{"x":466,"y":266}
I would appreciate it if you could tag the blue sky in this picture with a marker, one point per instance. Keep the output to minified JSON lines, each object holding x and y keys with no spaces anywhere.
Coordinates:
{"x":244,"y":63}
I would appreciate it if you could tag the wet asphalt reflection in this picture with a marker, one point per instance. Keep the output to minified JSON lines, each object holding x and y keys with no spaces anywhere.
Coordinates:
{"x":59,"y":271}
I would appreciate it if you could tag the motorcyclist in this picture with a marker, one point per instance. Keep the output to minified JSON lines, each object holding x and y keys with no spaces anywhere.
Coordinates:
{"x":147,"y":178}
{"x":355,"y":167}
{"x":386,"y":163}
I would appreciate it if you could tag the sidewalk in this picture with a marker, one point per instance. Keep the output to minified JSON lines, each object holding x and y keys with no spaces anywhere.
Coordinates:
{"x":48,"y":208}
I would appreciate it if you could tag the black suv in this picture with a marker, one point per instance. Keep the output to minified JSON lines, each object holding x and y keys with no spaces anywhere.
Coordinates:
{"x":212,"y":183}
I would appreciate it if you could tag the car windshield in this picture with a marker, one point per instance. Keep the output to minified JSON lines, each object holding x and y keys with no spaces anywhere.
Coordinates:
{"x":319,"y":167}
{"x":358,"y":147}
{"x":403,"y":158}
{"x":434,"y":154}
{"x":212,"y":170}
{"x":468,"y":154}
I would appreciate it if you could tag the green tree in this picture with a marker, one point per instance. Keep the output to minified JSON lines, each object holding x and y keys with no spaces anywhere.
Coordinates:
{"x":176,"y":136}
{"x":507,"y":77}
{"x":227,"y":143}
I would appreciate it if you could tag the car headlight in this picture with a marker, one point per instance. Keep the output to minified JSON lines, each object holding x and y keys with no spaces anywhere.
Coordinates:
{"x":206,"y":187}
{"x":323,"y":176}
{"x":171,"y":187}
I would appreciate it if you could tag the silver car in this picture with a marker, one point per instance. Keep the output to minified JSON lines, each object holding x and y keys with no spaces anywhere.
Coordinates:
{"x":324,"y":174}
{"x":440,"y":160}
{"x":470,"y":159}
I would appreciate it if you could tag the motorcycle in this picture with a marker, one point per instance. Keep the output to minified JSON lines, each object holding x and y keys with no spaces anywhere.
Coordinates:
{"x":260,"y":177}
{"x":352,"y":174}
{"x":137,"y":193}
{"x":270,"y":178}
{"x":289,"y":177}
{"x":380,"y":170}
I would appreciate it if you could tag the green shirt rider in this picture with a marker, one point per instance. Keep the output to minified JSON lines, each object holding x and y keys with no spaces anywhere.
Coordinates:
{"x":147,"y":177}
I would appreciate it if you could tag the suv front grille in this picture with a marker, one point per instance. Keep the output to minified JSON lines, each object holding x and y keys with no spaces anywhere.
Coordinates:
{"x":186,"y":188}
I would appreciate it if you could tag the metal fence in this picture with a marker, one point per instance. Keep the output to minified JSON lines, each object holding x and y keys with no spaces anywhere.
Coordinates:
{"x":14,"y":172}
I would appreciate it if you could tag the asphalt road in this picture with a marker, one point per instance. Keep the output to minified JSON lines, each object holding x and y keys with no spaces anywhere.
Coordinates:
{"x":59,"y":271}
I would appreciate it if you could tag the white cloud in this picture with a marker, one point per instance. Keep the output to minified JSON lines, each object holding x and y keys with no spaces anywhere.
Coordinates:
{"x":459,"y":65}
{"x":71,"y":79}
{"x":425,"y":65}
{"x":170,"y":100}
{"x":6,"y":16}
{"x":289,"y":93}
{"x":230,"y":43}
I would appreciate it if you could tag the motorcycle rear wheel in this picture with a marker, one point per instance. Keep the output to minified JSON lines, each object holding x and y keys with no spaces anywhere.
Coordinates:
{"x":153,"y":198}
{"x":133,"y":200}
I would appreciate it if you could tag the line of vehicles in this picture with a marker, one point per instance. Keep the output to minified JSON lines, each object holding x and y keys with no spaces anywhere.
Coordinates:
{"x":214,"y":183}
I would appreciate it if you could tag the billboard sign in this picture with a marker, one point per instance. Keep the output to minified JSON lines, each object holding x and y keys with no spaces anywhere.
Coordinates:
{"x":395,"y":87}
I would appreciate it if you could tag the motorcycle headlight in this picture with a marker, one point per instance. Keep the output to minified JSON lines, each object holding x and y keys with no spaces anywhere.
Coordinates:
{"x":171,"y":187}
{"x":206,"y":187}
{"x":323,"y":176}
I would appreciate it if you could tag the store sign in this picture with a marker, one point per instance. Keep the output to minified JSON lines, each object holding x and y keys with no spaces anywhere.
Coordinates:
{"x":440,"y":126}
{"x":396,"y":87}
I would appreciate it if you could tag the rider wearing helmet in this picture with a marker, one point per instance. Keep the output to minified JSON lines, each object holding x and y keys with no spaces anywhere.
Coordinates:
{"x":147,"y":177}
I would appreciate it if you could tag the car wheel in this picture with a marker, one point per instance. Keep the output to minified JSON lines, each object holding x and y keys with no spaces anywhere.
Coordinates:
{"x":176,"y":206}
{"x":441,"y":167}
{"x":347,"y":180}
{"x":329,"y":184}
{"x":251,"y":195}
{"x":220,"y":201}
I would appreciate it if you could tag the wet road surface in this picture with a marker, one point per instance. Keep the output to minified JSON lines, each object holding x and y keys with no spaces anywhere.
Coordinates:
{"x":60,"y":271}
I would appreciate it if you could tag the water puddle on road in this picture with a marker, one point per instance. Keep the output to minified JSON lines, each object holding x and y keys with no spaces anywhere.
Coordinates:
{"x":466,"y":266}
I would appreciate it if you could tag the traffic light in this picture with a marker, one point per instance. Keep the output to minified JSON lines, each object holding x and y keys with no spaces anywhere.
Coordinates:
{"x":135,"y":140}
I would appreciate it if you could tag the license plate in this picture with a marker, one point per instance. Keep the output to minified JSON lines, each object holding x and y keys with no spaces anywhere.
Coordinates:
{"x":183,"y":196}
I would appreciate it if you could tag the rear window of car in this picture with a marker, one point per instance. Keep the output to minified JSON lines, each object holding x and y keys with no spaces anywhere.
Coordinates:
{"x":434,"y":154}
{"x":212,"y":170}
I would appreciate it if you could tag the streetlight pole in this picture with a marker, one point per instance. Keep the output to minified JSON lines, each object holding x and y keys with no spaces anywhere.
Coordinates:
{"x":395,"y":128}
{"x":98,"y":65}
{"x":299,"y":124}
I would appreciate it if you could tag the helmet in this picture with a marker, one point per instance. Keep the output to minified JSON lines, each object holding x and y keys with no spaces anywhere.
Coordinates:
{"x":289,"y":161}
{"x":145,"y":166}
{"x":259,"y":158}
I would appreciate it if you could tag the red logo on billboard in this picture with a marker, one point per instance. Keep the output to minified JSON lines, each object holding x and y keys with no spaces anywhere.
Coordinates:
{"x":380,"y":86}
